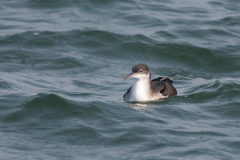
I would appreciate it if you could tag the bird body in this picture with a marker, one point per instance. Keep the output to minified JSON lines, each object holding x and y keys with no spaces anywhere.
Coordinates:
{"x":143,"y":89}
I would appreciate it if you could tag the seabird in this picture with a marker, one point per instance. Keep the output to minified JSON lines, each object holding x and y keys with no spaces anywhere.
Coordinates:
{"x":144,"y":89}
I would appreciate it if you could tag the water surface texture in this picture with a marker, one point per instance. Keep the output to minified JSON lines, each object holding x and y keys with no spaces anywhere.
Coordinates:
{"x":62,"y":64}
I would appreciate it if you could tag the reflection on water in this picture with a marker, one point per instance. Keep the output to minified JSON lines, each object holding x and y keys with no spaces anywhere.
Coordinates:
{"x":139,"y":106}
{"x":142,"y":106}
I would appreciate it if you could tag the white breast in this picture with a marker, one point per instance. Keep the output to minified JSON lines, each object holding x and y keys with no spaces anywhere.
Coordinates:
{"x":139,"y":91}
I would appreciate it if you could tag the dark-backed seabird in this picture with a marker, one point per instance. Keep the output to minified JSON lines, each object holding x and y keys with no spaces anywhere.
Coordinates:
{"x":144,"y":89}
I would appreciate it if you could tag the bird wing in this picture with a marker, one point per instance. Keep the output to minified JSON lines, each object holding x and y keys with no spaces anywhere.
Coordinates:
{"x":158,"y":86}
{"x":165,"y":87}
{"x":127,"y":91}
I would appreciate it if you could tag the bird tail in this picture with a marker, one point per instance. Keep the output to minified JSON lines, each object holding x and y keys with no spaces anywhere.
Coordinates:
{"x":167,"y":77}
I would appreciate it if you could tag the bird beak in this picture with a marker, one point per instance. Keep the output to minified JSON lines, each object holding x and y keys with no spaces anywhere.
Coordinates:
{"x":129,"y":76}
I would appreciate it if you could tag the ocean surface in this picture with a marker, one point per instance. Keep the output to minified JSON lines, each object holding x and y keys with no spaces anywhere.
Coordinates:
{"x":62,"y":64}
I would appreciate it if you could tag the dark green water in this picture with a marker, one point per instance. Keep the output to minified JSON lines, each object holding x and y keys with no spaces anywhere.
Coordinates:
{"x":62,"y":64}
